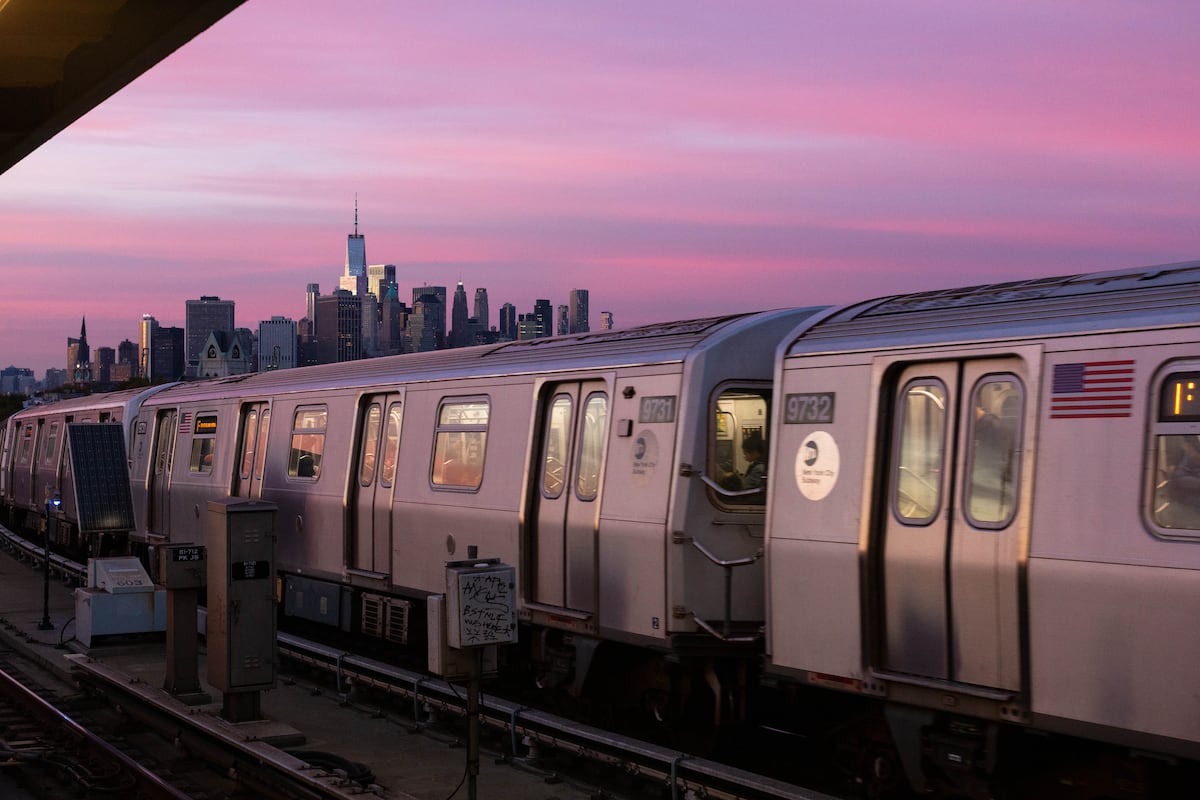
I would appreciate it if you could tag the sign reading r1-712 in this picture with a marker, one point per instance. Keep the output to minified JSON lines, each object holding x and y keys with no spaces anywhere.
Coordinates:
{"x":811,"y":407}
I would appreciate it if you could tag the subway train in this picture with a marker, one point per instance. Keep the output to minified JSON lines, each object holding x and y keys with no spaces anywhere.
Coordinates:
{"x":965,"y":524}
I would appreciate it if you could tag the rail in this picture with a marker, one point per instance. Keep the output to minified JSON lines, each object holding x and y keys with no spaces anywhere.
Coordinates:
{"x":681,"y":772}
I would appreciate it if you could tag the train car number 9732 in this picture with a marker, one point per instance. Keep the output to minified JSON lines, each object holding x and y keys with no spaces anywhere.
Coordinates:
{"x":808,"y":408}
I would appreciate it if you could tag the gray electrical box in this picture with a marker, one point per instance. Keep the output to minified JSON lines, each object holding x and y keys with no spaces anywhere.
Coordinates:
{"x":182,"y":566}
{"x":241,"y":595}
{"x":481,"y":603}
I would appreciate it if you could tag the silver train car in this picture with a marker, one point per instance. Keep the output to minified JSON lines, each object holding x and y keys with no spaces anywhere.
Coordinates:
{"x":967,"y":521}
{"x":984,"y":511}
{"x":34,"y":465}
{"x":590,"y":462}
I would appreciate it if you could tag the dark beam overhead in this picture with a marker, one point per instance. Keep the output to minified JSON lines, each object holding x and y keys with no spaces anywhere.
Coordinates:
{"x":59,"y":59}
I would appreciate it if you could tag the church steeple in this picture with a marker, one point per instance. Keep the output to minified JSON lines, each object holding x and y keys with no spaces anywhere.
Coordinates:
{"x":80,"y":356}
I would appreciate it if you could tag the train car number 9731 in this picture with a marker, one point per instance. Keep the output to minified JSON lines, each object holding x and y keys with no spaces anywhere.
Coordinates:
{"x":657,"y":409}
{"x":808,"y":408}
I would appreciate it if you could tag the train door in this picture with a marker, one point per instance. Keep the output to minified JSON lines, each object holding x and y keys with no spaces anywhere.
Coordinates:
{"x":160,"y":472}
{"x":253,"y":428}
{"x":6,"y":459}
{"x":372,"y":480}
{"x":950,"y":546}
{"x":574,"y":426}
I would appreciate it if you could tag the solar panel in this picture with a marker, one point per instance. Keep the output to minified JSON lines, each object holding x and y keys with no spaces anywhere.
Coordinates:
{"x":101,"y":476}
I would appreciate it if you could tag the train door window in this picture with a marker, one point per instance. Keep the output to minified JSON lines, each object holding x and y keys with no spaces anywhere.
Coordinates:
{"x":557,"y":439}
{"x":165,"y":445}
{"x":993,"y":457}
{"x":737,"y":464}
{"x":51,"y":445}
{"x":591,"y":446}
{"x":260,"y":454}
{"x":1175,"y":461}
{"x":249,"y":437}
{"x":369,"y":445}
{"x":459,"y":444}
{"x":921,"y":435}
{"x":26,"y":453}
{"x":391,"y":446}
{"x":308,"y":443}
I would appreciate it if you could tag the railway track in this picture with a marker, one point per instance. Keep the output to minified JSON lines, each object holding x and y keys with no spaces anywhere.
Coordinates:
{"x":529,"y":730}
{"x":529,"y":734}
{"x":51,"y":754}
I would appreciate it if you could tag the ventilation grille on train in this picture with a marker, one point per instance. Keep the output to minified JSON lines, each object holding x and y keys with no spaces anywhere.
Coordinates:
{"x":386,"y":617}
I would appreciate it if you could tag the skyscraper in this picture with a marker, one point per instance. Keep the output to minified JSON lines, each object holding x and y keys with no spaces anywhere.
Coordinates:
{"x":276,"y":344}
{"x":459,"y":336}
{"x":544,"y":313}
{"x":106,"y":357}
{"x":339,"y":322}
{"x":508,"y":322}
{"x":606,"y":320}
{"x":146,"y":344}
{"x":355,"y":278}
{"x":167,"y":354}
{"x":435,"y":316}
{"x":578,"y":302}
{"x":393,"y":320}
{"x":127,"y":353}
{"x":202,"y":317}
{"x":424,"y":323}
{"x":379,"y":277}
{"x":481,"y":309}
{"x":310,"y":300}
{"x":563,"y":326}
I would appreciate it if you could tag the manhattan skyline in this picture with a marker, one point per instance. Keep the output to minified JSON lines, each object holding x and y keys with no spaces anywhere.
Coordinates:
{"x":681,"y":159}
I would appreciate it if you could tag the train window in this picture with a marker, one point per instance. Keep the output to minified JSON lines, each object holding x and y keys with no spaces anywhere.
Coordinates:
{"x":1175,"y":461}
{"x":993,"y":457}
{"x":921,"y":437}
{"x":738,"y":448}
{"x":369,"y":446}
{"x":308,"y":443}
{"x":201,"y":460}
{"x":51,"y":445}
{"x":26,"y":452}
{"x":557,"y":440}
{"x":459,"y":444}
{"x":1176,"y":495}
{"x":591,"y":446}
{"x":391,"y":447}
{"x":249,"y":435}
{"x":260,"y":455}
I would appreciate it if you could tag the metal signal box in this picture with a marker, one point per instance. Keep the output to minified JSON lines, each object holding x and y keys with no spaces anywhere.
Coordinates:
{"x":241,"y":595}
{"x":182,"y":566}
{"x":481,"y":603}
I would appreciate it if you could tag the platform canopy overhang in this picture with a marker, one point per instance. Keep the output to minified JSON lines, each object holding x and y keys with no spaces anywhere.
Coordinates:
{"x":59,"y":59}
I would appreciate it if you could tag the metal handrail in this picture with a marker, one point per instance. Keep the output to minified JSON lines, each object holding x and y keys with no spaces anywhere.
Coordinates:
{"x":728,"y":565}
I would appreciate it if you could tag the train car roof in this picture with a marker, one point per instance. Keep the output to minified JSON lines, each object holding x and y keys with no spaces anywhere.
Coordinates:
{"x":1158,"y":296}
{"x":663,"y":343}
{"x":90,"y":402}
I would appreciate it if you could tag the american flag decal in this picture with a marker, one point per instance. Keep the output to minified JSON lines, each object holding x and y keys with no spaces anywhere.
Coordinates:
{"x":185,"y":421}
{"x":1092,"y":389}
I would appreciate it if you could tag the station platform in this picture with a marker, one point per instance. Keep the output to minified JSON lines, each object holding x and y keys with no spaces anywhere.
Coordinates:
{"x":296,"y":716}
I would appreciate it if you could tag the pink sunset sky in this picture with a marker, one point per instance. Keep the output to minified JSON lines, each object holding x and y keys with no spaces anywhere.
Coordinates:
{"x":678,"y":159}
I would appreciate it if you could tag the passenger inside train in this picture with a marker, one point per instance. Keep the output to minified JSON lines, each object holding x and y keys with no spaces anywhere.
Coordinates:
{"x":1177,"y":496}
